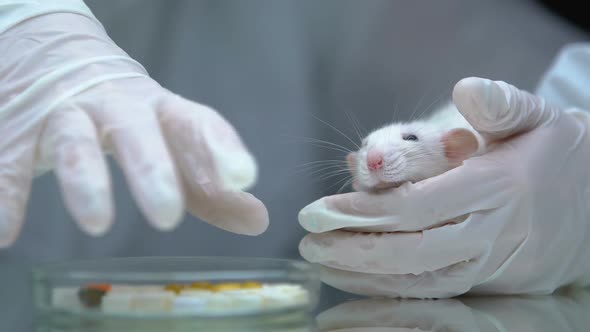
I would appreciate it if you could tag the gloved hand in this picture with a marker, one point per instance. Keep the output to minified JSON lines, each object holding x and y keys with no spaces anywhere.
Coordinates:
{"x":567,"y":313}
{"x":68,"y":93}
{"x":522,"y":211}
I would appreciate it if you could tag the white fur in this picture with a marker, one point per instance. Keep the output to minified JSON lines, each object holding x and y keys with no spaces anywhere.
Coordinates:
{"x":410,"y":160}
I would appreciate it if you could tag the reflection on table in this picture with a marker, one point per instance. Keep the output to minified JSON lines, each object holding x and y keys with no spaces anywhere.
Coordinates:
{"x":565,"y":312}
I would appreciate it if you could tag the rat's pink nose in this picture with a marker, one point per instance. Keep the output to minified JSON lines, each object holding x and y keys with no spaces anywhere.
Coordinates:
{"x":374,"y":160}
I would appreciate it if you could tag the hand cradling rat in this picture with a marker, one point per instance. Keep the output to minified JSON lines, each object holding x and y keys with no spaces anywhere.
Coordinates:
{"x":413,"y":151}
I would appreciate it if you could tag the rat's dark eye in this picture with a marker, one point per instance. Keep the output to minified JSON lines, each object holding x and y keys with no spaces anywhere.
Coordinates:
{"x":410,"y":137}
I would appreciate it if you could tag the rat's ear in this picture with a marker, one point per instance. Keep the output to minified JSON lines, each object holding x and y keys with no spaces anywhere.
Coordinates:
{"x":459,"y":144}
{"x":351,"y":161}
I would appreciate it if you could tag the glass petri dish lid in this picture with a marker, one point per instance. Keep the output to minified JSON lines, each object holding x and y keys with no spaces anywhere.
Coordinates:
{"x":201,"y":293}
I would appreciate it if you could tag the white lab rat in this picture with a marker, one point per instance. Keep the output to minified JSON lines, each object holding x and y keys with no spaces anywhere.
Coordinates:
{"x":414,"y":151}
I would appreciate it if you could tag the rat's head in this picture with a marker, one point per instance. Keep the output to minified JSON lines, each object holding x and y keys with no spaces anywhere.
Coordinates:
{"x":398,"y":153}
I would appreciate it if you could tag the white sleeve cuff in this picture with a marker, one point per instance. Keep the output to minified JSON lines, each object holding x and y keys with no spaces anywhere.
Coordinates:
{"x":567,"y":81}
{"x":12,"y":12}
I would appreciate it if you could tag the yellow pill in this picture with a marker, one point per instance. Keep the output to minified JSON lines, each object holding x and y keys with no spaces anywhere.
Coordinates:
{"x":200,"y":285}
{"x":176,"y":288}
{"x":251,"y":285}
{"x":226,"y":286}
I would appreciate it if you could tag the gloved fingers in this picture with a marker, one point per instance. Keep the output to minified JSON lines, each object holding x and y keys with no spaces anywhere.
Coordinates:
{"x":411,"y":207}
{"x":448,"y":282}
{"x":70,"y":143}
{"x":398,"y":315}
{"x":225,"y":158}
{"x":234,"y":211}
{"x":499,"y":110}
{"x":394,"y":253}
{"x":148,"y":167}
{"x":16,"y":173}
{"x":215,"y":166}
{"x":128,"y":123}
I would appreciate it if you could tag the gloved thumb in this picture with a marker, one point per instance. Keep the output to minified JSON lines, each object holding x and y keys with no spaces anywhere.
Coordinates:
{"x":499,"y":110}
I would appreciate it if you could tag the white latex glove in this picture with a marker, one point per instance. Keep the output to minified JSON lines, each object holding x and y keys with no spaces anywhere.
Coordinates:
{"x":524,"y":206}
{"x":477,"y":314}
{"x":67,"y":93}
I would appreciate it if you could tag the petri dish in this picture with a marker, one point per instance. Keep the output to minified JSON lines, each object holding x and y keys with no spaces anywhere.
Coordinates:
{"x":176,"y":293}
